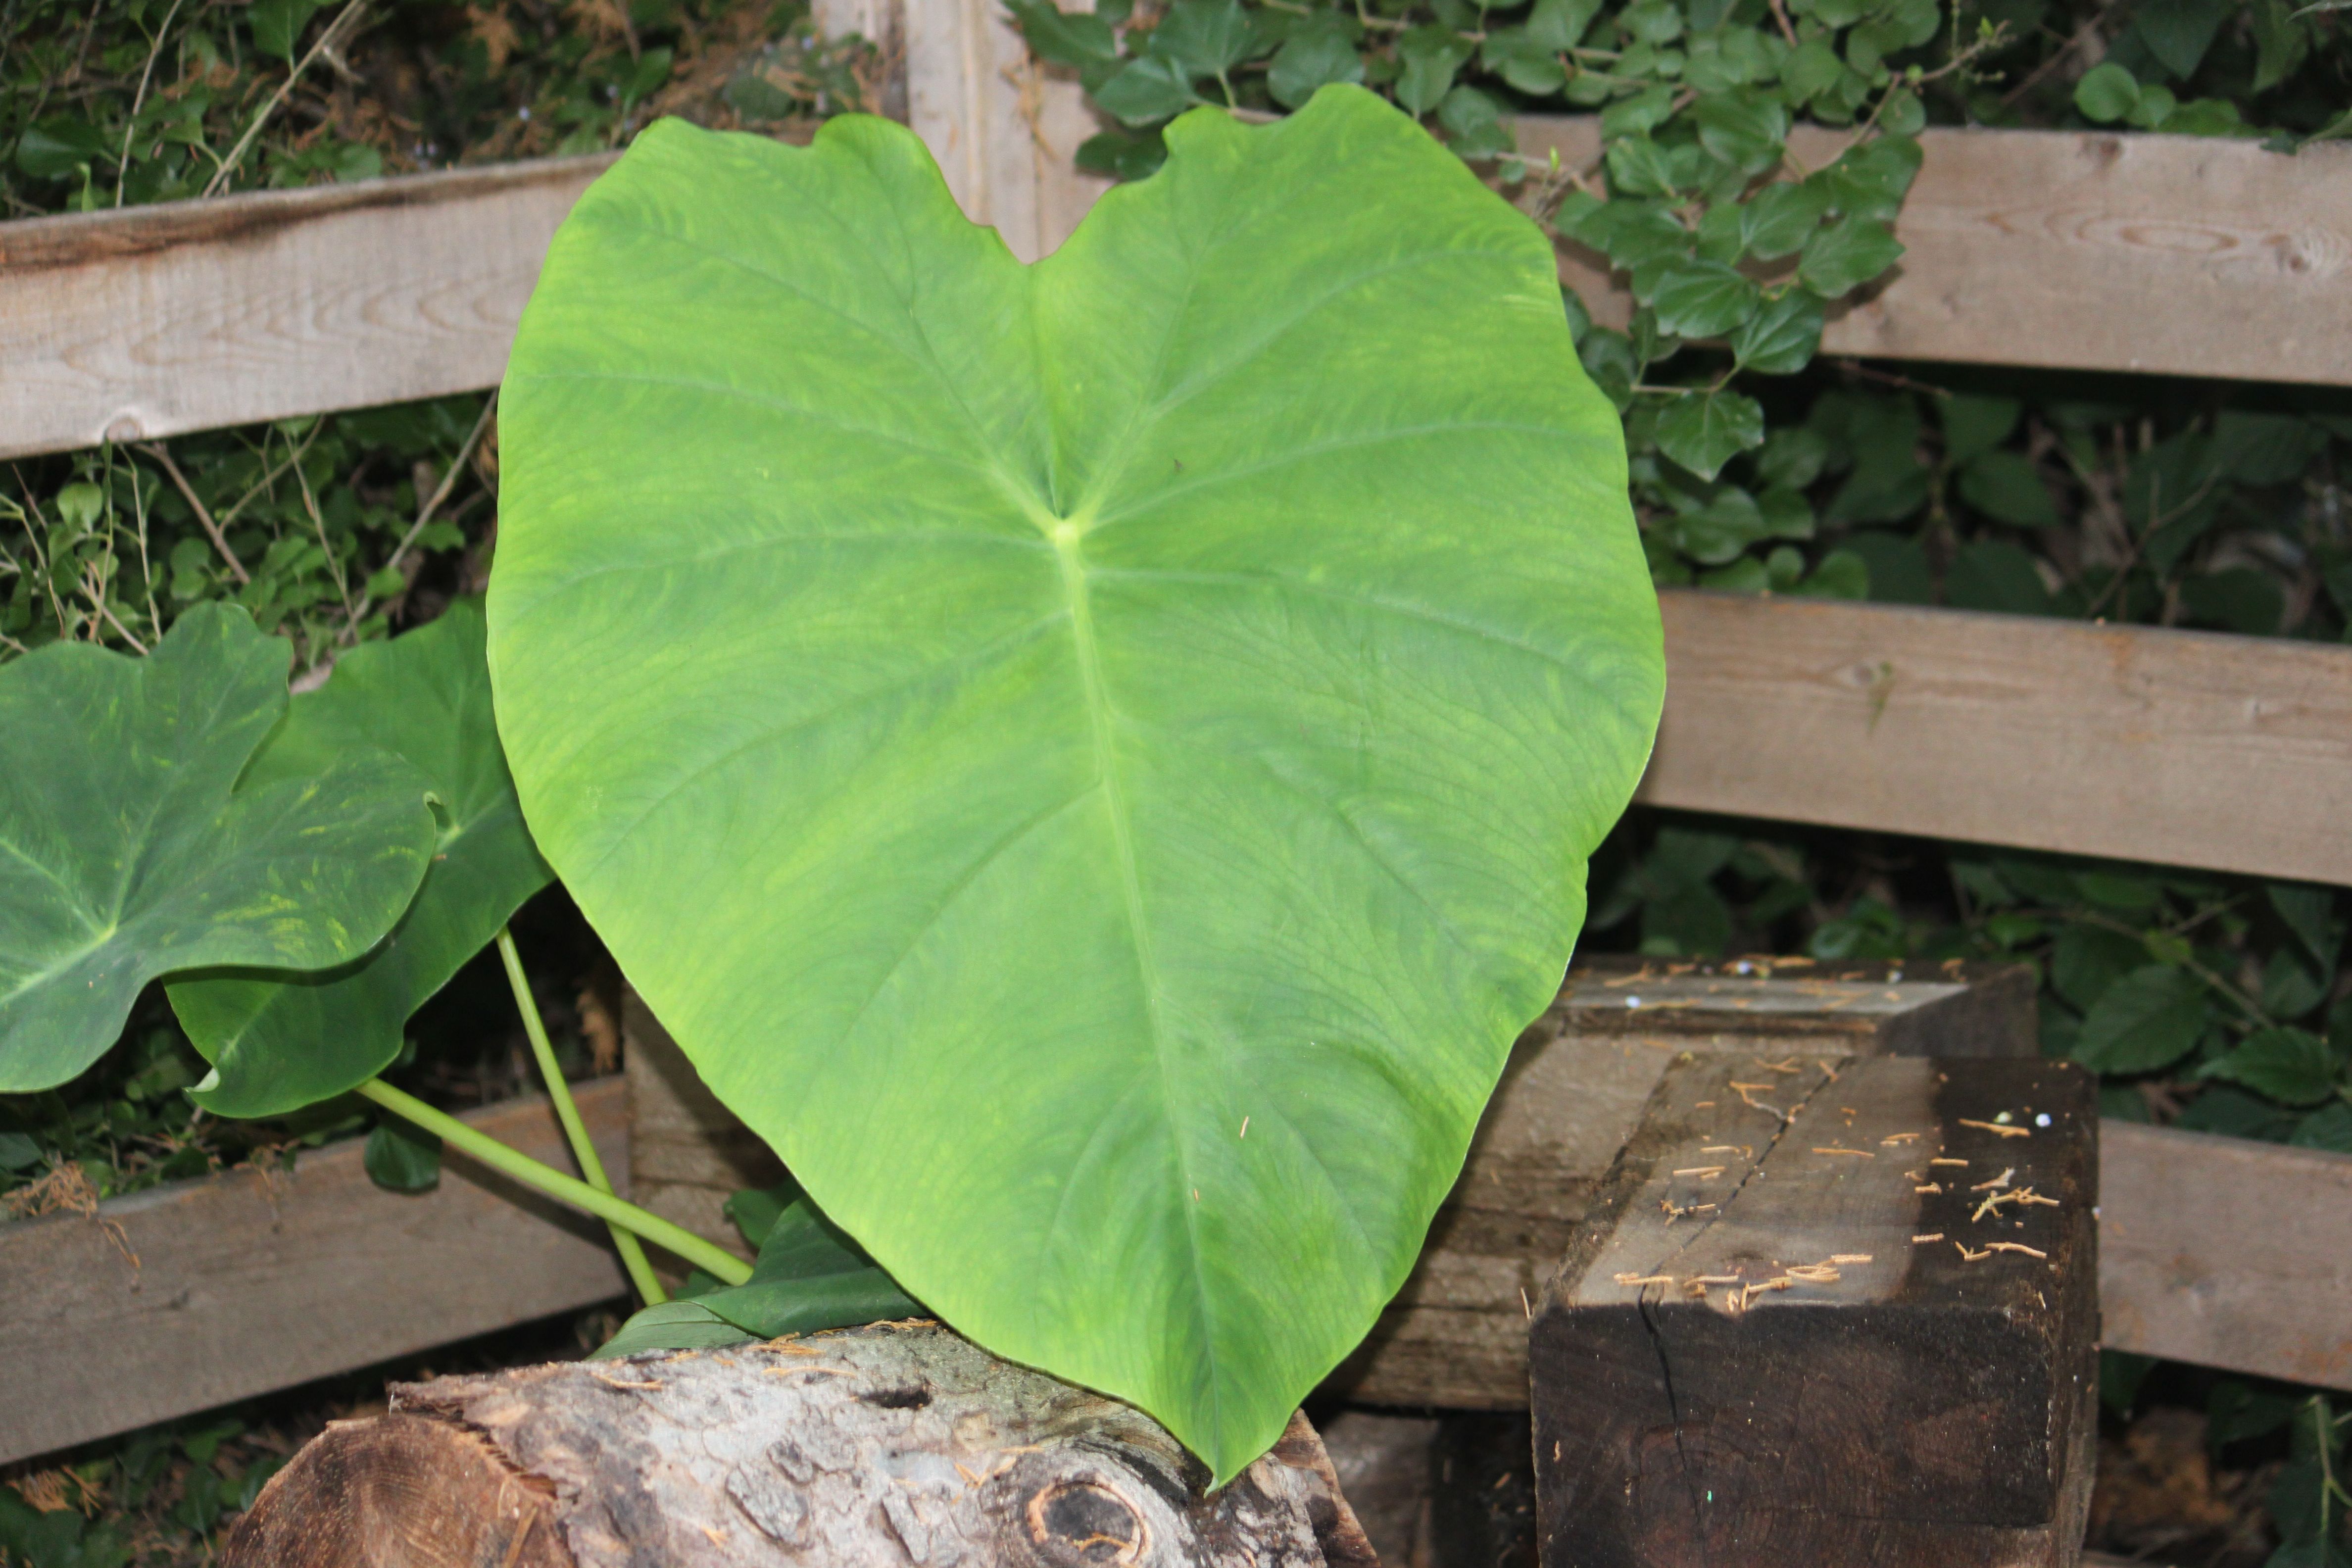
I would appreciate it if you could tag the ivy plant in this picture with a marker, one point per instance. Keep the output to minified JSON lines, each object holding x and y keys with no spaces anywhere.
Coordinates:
{"x":1093,"y":761}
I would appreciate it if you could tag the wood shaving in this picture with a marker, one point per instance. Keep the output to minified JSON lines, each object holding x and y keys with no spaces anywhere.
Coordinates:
{"x":1999,"y":1128}
{"x":1702,"y":1172}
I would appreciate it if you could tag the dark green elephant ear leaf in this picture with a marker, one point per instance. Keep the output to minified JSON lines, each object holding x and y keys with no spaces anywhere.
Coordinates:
{"x":1095,"y":762}
{"x":809,"y":1276}
{"x":276,"y":1042}
{"x":127,"y":853}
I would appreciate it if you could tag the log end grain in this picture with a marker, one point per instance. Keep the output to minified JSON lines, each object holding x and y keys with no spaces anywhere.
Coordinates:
{"x":897,"y":1444}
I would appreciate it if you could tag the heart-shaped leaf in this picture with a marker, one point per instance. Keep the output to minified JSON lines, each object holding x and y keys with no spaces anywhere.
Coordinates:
{"x":124,"y":856}
{"x":1093,"y":761}
{"x":277,"y":1043}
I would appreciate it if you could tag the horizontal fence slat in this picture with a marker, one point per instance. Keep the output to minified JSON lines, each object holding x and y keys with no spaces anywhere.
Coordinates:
{"x":2059,"y":250}
{"x":192,"y":315}
{"x":2085,"y":250}
{"x":2226,"y":1253}
{"x":244,"y":1287}
{"x":2195,"y":749}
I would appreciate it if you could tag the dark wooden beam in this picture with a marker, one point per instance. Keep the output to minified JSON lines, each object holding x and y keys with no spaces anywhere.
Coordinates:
{"x":1845,"y":1313}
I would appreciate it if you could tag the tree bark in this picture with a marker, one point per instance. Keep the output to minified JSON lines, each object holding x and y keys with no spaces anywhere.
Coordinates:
{"x":893,"y":1445}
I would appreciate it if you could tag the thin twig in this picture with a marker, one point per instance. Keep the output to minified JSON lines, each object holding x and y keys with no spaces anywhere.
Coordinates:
{"x":424,"y":514}
{"x":156,"y":450}
{"x":130,"y":126}
{"x":345,"y":22}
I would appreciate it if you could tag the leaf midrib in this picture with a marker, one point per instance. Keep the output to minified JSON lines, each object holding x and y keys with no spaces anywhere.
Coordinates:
{"x":1069,"y":551}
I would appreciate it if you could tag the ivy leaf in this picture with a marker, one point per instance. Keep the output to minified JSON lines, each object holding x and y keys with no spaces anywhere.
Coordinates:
{"x":2179,"y":32}
{"x":1718,"y":530}
{"x":1643,"y":110}
{"x":57,"y":147}
{"x":1319,"y":51}
{"x":1811,"y":70}
{"x":1632,"y":234}
{"x":1780,"y":338}
{"x":1702,"y":300}
{"x":2282,"y":43}
{"x":1206,"y":38}
{"x":2005,"y":486}
{"x":1078,"y":39}
{"x":1994,"y":574}
{"x":1429,"y":57}
{"x":1473,"y":123}
{"x":1653,"y":21}
{"x":1871,"y":181}
{"x":401,"y":1158}
{"x":1974,"y":425}
{"x":2291,"y":1066}
{"x":1844,"y":255}
{"x":964,"y":733}
{"x":280,"y":1043}
{"x":1639,"y":167}
{"x":1525,"y":64}
{"x":2330,"y":1127}
{"x":1147,"y":90}
{"x":1703,"y":431}
{"x":1778,"y":220}
{"x":278,"y":25}
{"x":2107,"y":94}
{"x":1558,"y":26}
{"x":129,"y":858}
{"x":2309,"y":912}
{"x":2148,"y":1019}
{"x":1121,"y":156}
{"x":810,"y":1275}
{"x":1745,"y":128}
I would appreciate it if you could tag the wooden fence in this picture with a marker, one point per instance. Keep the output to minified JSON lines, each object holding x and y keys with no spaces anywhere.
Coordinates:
{"x":2101,"y":252}
{"x":202,"y":1292}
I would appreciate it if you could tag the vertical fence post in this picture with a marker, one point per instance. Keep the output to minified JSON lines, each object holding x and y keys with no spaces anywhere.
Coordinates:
{"x":1005,"y":129}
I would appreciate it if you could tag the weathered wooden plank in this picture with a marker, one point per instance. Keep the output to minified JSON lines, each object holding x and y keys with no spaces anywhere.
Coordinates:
{"x":1456,"y":1334}
{"x":189,"y":315}
{"x":1843,"y":1315}
{"x":2227,"y":1253}
{"x":2026,"y":247}
{"x":2040,"y":247}
{"x":2196,"y":749}
{"x":243,"y":1286}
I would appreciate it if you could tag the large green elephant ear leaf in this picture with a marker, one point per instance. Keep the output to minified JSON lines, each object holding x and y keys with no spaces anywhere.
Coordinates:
{"x":124,"y":855}
{"x":1096,"y":762}
{"x":278,"y":1042}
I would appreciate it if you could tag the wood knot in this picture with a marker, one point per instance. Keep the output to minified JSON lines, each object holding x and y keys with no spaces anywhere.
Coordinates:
{"x":1075,"y":1522}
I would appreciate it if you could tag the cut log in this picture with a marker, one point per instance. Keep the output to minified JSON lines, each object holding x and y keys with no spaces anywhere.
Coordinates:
{"x":1842,"y":1314}
{"x":1456,"y":1335}
{"x":893,"y":1444}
